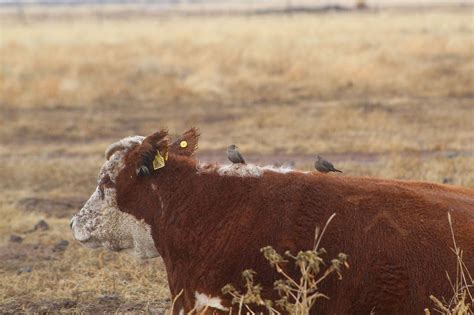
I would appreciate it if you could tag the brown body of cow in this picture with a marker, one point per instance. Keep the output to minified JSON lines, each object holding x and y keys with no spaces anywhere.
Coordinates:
{"x":209,"y":224}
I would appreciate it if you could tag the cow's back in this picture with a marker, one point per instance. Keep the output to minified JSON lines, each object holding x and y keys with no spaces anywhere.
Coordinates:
{"x":396,"y":234}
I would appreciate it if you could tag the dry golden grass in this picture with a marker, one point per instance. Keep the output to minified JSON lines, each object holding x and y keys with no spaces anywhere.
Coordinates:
{"x":387,"y":94}
{"x":235,"y":59}
{"x":78,"y":280}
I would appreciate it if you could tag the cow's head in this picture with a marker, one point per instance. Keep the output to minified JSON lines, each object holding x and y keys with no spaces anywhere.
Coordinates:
{"x":106,"y":220}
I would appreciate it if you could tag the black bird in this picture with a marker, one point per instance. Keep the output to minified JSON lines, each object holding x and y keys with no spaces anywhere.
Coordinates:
{"x":325,"y":166}
{"x":234,"y":155}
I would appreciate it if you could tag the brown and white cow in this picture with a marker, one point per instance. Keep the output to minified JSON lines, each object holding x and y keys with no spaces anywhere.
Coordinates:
{"x":208,"y":223}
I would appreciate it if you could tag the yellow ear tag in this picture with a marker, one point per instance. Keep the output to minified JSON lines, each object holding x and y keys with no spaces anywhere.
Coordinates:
{"x":159,"y":161}
{"x":183,"y":144}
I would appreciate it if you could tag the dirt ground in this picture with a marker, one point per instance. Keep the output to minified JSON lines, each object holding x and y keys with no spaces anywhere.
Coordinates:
{"x":387,"y":94}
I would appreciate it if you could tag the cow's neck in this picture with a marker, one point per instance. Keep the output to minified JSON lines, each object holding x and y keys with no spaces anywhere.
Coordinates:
{"x":181,"y":228}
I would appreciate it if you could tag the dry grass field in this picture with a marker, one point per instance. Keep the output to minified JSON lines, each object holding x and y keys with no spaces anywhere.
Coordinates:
{"x":388,"y":94}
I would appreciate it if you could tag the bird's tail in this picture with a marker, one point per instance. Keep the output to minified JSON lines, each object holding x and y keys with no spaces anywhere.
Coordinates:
{"x":336,"y":170}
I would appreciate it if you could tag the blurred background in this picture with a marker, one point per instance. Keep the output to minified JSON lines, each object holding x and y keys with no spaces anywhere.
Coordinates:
{"x":381,"y":88}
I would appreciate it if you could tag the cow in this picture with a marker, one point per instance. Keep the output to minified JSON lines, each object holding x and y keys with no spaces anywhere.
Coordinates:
{"x":208,"y":222}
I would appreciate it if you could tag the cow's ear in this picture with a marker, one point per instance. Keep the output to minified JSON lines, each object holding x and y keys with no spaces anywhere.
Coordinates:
{"x":186,"y":144}
{"x":152,"y":153}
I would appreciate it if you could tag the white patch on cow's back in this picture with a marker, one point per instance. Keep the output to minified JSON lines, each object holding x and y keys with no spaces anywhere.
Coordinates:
{"x":181,"y":311}
{"x":203,"y":301}
{"x":244,"y":170}
{"x":281,"y":169}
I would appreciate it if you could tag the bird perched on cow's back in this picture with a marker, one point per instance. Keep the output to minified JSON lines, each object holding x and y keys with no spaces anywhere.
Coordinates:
{"x":234,"y":155}
{"x":324,"y":166}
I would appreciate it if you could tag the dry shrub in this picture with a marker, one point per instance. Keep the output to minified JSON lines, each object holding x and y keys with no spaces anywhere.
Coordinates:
{"x":297,"y":296}
{"x":462,"y":300}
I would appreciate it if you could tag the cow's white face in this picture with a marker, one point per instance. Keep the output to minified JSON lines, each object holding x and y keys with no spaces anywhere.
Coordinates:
{"x":100,"y":223}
